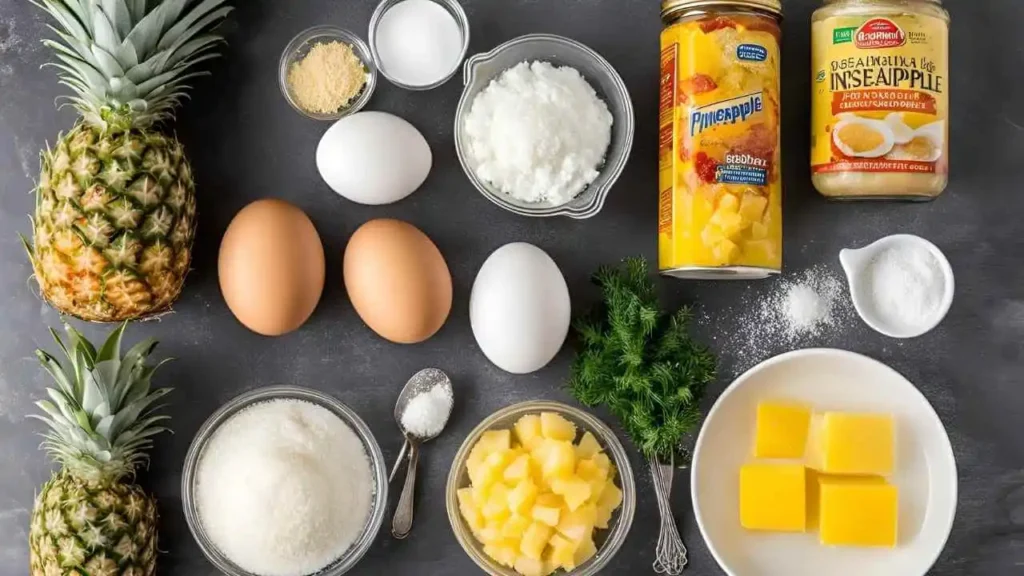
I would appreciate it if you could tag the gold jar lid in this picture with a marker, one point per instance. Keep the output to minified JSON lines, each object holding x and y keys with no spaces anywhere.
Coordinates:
{"x":672,"y":7}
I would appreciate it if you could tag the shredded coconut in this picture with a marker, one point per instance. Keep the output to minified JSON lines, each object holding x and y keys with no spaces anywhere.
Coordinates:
{"x":538,"y":133}
{"x":425,"y":415}
{"x":906,"y":285}
{"x":284,"y":488}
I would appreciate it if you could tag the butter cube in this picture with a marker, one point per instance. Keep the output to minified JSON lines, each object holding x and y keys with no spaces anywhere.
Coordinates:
{"x":858,"y":444}
{"x":781,"y":430}
{"x":773,"y":497}
{"x":857,"y":511}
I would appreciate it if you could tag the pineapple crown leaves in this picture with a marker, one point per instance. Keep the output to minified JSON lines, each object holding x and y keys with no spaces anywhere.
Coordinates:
{"x":102,"y":412}
{"x":641,"y":362}
{"x":128,"y":61}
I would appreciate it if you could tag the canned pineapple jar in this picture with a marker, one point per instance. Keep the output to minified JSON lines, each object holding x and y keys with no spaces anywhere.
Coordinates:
{"x":720,"y":167}
{"x":880,"y":100}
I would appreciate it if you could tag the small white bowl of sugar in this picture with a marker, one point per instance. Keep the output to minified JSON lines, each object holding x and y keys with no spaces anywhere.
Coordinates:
{"x":901,"y":285}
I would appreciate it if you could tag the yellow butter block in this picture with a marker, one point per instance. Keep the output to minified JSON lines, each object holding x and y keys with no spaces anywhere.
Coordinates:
{"x":858,"y":444}
{"x":857,"y":511}
{"x":781,"y":430}
{"x":773,"y":497}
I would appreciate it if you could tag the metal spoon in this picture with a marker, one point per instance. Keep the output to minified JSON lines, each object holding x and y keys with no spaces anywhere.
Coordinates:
{"x":422,"y":381}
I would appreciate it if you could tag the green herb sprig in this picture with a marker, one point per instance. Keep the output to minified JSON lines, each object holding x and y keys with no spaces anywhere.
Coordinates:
{"x":640,"y":361}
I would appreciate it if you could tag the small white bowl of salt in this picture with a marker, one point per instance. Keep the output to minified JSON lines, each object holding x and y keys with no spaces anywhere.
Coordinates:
{"x":902,"y":286}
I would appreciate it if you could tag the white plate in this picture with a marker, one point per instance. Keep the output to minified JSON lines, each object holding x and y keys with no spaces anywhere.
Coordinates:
{"x":826,"y":380}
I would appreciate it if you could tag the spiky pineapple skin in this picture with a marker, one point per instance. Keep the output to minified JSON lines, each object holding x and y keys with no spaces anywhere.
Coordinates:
{"x":114,"y":223}
{"x":80,"y":529}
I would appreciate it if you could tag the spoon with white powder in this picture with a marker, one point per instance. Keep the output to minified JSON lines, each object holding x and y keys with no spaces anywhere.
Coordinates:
{"x":422,"y":411}
{"x":901,"y":285}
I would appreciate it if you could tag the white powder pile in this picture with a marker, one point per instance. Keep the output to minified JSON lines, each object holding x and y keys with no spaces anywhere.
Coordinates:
{"x":906,"y":285}
{"x":806,"y":309}
{"x":427,"y":412}
{"x":284,"y":488}
{"x":538,"y":133}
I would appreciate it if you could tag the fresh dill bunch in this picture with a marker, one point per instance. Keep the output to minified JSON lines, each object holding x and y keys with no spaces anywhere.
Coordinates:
{"x":640,"y":361}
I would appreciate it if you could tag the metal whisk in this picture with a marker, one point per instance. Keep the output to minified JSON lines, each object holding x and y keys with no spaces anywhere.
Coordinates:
{"x":670,"y":554}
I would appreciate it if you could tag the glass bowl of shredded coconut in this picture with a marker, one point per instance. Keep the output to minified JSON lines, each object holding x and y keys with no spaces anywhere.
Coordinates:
{"x":544,"y":126}
{"x":284,"y":481}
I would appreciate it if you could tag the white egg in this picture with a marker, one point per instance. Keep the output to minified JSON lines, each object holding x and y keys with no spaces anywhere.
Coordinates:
{"x":926,"y":144}
{"x":519,"y":308}
{"x":373,"y":158}
{"x":900,"y":131}
{"x":863,"y":137}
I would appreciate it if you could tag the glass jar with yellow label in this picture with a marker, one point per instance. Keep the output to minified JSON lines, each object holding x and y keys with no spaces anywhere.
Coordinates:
{"x":720,"y":162}
{"x":880,"y":99}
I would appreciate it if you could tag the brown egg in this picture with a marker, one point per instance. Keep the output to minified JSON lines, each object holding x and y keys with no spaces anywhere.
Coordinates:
{"x":397,"y":280}
{"x":271,"y":267}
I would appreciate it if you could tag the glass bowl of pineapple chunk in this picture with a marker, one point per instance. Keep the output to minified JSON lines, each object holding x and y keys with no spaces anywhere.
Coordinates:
{"x":541,"y":488}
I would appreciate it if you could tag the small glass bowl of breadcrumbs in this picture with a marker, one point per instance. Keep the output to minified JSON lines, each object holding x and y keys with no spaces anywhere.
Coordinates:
{"x":327,"y":73}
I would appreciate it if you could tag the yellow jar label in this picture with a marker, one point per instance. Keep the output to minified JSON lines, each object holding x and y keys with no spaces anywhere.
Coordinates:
{"x":880,"y":94}
{"x":720,"y":202}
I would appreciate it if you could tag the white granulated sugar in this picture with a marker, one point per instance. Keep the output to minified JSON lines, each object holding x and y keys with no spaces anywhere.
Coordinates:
{"x":538,"y":133}
{"x":425,"y":415}
{"x":906,"y":285}
{"x":284,"y":488}
{"x":804,"y":309}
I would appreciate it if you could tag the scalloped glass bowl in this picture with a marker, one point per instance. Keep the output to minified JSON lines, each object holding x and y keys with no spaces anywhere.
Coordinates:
{"x":479,"y":70}
{"x":608,"y":541}
{"x":300,"y":46}
{"x":378,"y":506}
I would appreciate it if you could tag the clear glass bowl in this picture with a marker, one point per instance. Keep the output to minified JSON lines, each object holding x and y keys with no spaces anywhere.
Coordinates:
{"x":453,"y":8}
{"x":300,"y":46}
{"x":479,"y":70}
{"x":224,"y":413}
{"x":608,"y":541}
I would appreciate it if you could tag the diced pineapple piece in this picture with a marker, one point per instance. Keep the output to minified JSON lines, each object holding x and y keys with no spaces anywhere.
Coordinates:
{"x":585,"y":551}
{"x":528,"y":431}
{"x":588,"y":446}
{"x":752,"y":207}
{"x":610,"y":500}
{"x":578,"y":525}
{"x":502,"y":554}
{"x":470,"y":511}
{"x":603,"y":462}
{"x":515,"y":527}
{"x":546,"y":514}
{"x":555,"y":427}
{"x":712,"y":235}
{"x":480,"y":496}
{"x":494,"y":441}
{"x":496,"y":507}
{"x":589,"y":470}
{"x":529,"y":566}
{"x":491,"y":469}
{"x":725,"y":252}
{"x":728,"y":203}
{"x":574,"y":489}
{"x":521,"y":498}
{"x":491,"y":532}
{"x":535,"y":539}
{"x":761,"y":250}
{"x":562,"y":552}
{"x":758,"y":231}
{"x":730,"y":223}
{"x":558,"y":458}
{"x":518,"y":470}
{"x":597,"y":487}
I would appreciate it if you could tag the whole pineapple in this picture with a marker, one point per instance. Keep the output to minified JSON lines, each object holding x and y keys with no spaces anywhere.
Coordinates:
{"x":115,"y":206}
{"x":90,"y":519}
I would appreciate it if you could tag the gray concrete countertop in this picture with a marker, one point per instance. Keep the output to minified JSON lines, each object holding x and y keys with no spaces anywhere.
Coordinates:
{"x":245,"y":143}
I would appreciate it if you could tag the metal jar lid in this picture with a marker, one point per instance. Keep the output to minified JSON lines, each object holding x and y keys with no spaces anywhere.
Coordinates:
{"x":670,"y":8}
